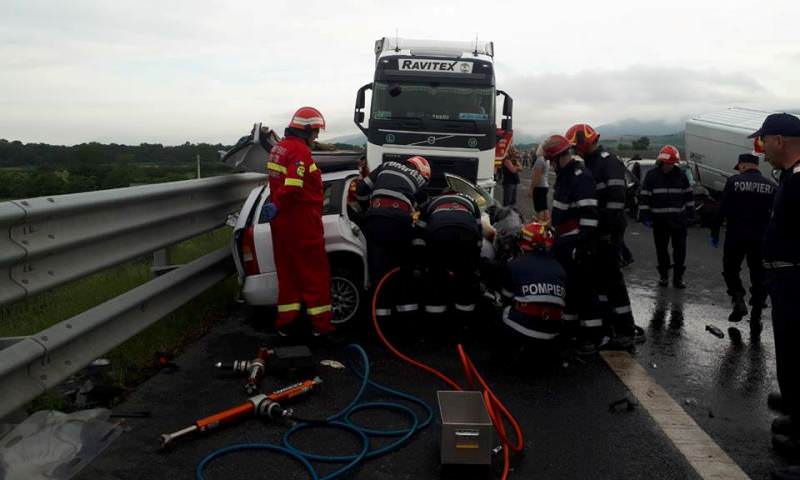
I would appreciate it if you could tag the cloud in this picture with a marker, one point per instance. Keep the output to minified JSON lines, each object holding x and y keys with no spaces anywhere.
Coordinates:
{"x":646,"y":93}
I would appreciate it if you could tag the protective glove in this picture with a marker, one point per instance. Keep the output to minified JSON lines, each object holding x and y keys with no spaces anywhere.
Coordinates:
{"x":714,"y":241}
{"x":270,"y":211}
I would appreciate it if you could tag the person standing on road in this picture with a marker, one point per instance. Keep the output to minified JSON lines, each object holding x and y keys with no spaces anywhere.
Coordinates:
{"x":298,"y":238}
{"x":780,"y":134}
{"x":746,"y":206}
{"x":575,"y":221}
{"x":390,"y":195}
{"x":539,"y":187}
{"x":666,"y":204}
{"x":609,"y":176}
{"x":511,"y":169}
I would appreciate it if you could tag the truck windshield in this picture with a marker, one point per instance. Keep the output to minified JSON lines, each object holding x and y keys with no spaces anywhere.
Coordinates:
{"x":432,"y":101}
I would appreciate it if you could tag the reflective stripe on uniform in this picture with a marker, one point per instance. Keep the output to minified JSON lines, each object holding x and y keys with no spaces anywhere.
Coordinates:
{"x":313,"y":168}
{"x":551,"y":299}
{"x":623,"y":309}
{"x":602,"y":298}
{"x":617,"y":182}
{"x":506,"y":293}
{"x":595,"y":322}
{"x":368,"y":181}
{"x":277,"y":167}
{"x":289,"y":307}
{"x":293,"y":182}
{"x":569,"y":317}
{"x":527,"y":331}
{"x":319,"y":310}
{"x":667,"y":210}
{"x":418,"y":242}
{"x":600,"y":186}
{"x":383,"y":312}
{"x":645,"y":192}
{"x":615,"y":205}
{"x":588,"y":222}
{"x":410,"y":307}
{"x":587,"y":202}
{"x":668,"y":190}
{"x":435,"y":308}
{"x":465,"y":308}
{"x":644,"y":207}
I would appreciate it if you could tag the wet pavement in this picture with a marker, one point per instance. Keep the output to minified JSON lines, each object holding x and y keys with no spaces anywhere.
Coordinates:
{"x":563,"y":409}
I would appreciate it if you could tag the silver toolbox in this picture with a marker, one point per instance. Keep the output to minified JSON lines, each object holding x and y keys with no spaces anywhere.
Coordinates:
{"x":467,"y":430}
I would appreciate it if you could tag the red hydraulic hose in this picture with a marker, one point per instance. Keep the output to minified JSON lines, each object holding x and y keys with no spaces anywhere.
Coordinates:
{"x":495,"y":408}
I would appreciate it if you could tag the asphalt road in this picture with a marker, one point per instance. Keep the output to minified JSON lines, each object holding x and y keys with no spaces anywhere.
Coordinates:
{"x":563,"y":408}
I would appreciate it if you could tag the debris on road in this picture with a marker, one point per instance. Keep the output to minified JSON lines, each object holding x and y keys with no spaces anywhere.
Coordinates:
{"x":332,"y":364}
{"x":715,"y":331}
{"x":630,"y":405}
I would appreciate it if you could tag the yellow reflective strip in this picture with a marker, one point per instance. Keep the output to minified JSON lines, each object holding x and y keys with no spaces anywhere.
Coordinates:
{"x":313,"y":167}
{"x":289,"y":307}
{"x":293,"y":182}
{"x":318,"y":310}
{"x":277,"y":167}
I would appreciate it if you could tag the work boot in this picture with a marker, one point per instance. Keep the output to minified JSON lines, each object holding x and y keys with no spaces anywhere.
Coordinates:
{"x":585,"y":348}
{"x":677,"y":279}
{"x":639,"y":335}
{"x":663,"y":273}
{"x":789,"y":473}
{"x":619,"y":342}
{"x":739,"y":308}
{"x":786,"y":446}
{"x":783,"y":425}
{"x":775,"y":402}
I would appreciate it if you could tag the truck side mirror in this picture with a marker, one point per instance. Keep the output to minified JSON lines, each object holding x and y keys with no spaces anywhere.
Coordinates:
{"x":508,"y":106}
{"x":358,"y":115}
{"x":359,"y":118}
{"x":506,"y":124}
{"x":361,"y":97}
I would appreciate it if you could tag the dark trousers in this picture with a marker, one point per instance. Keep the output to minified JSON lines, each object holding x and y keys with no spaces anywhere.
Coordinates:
{"x":453,"y":260}
{"x":783,"y":285}
{"x":623,"y":252}
{"x":509,"y":194}
{"x":735,"y":251}
{"x":662,"y":235}
{"x":539,"y":199}
{"x":612,"y":290}
{"x":388,"y":246}
{"x":582,"y":313}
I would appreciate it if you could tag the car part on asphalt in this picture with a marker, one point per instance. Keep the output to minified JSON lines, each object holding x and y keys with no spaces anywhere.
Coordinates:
{"x":280,"y":358}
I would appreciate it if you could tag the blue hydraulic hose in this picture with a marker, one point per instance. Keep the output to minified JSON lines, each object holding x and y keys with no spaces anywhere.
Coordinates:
{"x":343,"y":421}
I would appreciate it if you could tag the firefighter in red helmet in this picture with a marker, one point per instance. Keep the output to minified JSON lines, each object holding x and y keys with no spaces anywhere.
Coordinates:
{"x":297,"y":234}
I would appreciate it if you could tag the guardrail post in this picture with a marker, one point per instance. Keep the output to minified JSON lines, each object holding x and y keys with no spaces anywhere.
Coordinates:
{"x":162,"y":262}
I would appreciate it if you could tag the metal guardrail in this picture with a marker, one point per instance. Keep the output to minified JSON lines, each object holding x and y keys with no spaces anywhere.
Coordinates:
{"x":48,"y":241}
{"x":32,"y":365}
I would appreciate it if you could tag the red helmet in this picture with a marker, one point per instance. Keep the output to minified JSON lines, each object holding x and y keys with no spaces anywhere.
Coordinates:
{"x":758,"y":146}
{"x":554,"y":146}
{"x":535,"y":235}
{"x":422,"y":166}
{"x":307,"y":118}
{"x":669,"y":154}
{"x":583,"y":136}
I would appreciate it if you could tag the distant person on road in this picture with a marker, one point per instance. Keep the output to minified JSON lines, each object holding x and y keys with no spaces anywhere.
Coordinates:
{"x":746,"y":206}
{"x":298,"y":238}
{"x":780,"y":135}
{"x":539,"y":186}
{"x":666,"y":204}
{"x":511,"y":169}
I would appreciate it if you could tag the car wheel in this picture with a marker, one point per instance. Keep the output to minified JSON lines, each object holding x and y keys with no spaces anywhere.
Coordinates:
{"x":346,"y":296}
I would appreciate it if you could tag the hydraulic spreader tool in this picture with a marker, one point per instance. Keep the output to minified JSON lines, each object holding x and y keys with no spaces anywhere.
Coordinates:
{"x":262,"y":405}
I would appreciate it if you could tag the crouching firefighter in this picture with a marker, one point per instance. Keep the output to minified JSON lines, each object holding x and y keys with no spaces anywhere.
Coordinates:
{"x":575,"y":220}
{"x":535,"y":287}
{"x":453,"y":237}
{"x":390,"y":196}
{"x":297,"y":234}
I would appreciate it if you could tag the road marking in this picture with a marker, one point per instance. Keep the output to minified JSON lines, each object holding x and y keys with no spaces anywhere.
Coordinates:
{"x":705,"y":456}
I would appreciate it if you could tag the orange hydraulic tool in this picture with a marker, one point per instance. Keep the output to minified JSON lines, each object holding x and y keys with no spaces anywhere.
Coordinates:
{"x":260,"y":405}
{"x":257,"y":367}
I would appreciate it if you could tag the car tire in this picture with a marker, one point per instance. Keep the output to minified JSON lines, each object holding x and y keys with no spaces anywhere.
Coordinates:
{"x":347,"y":297}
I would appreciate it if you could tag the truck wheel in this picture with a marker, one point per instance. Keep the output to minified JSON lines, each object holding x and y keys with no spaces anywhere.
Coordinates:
{"x":346,"y":296}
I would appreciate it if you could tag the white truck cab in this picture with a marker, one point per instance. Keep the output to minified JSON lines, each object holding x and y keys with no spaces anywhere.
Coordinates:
{"x":435,"y":99}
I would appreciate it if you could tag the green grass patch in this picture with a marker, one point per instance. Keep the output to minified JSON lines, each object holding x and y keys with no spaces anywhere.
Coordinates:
{"x":134,"y":360}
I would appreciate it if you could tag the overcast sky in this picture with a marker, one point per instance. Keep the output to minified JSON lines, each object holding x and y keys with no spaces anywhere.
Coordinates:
{"x":169,"y":72}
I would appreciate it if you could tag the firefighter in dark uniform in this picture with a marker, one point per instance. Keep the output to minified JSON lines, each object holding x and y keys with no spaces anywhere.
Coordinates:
{"x":575,"y":221}
{"x":780,"y":134}
{"x":453,"y":237}
{"x":535,"y":288}
{"x":745,"y":207}
{"x":608,"y":173}
{"x":666,"y":204}
{"x":390,"y":195}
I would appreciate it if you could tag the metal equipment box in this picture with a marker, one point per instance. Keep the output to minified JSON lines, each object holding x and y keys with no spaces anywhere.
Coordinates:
{"x":467,"y":430}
